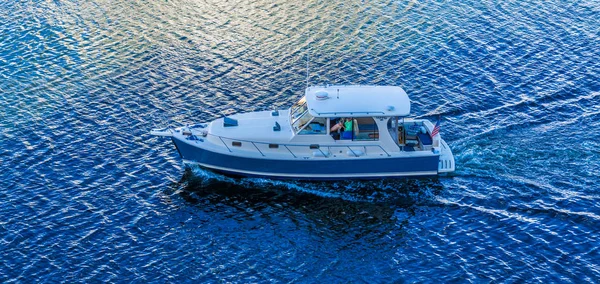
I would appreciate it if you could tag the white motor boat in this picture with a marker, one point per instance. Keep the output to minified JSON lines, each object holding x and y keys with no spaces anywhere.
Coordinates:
{"x":333,"y":132}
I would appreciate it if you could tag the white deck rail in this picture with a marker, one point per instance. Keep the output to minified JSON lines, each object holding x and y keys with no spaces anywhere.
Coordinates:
{"x":351,"y":148}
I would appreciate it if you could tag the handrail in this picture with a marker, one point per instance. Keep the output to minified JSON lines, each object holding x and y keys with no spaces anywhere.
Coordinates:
{"x":289,"y":144}
{"x":323,"y":153}
{"x":299,"y":145}
{"x":223,"y":142}
{"x":349,"y":112}
{"x":355,"y":155}
{"x":388,"y":154}
{"x":258,"y":149}
{"x":290,"y":151}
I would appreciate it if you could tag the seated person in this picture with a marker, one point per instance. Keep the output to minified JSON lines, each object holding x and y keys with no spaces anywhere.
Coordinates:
{"x":347,"y":134}
{"x":348,"y":124}
{"x":338,"y":125}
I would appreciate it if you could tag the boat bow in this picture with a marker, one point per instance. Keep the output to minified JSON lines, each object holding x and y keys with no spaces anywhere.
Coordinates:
{"x":165,"y":132}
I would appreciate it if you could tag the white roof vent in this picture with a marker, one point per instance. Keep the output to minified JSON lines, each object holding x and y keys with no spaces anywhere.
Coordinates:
{"x":321,"y":95}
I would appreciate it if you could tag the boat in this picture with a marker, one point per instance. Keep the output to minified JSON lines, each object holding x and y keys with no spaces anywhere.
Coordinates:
{"x":331,"y":133}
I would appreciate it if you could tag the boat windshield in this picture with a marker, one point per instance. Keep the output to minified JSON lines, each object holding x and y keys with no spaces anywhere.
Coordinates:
{"x":298,"y":109}
{"x":302,"y":121}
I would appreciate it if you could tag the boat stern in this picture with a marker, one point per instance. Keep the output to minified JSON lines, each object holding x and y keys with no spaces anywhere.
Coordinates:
{"x":446,"y":163}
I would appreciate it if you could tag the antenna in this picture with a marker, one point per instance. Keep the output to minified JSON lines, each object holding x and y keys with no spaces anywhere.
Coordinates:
{"x":307,"y":61}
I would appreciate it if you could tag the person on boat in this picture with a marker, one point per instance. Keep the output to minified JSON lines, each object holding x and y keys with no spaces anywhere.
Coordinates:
{"x":347,"y":134}
{"x":348,"y":124}
{"x":338,"y":125}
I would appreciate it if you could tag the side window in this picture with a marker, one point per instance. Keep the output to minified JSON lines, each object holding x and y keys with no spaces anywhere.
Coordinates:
{"x":366,"y":130}
{"x":357,"y":129}
{"x":317,"y":126}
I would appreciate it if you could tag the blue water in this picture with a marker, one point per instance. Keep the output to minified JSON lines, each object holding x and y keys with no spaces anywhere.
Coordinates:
{"x":87,"y":195}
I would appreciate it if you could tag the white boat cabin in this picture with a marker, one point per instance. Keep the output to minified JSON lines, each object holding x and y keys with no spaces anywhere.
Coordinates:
{"x":333,"y":115}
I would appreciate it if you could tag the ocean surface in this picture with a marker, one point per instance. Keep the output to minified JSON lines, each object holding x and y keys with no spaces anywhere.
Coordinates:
{"x":87,"y":195}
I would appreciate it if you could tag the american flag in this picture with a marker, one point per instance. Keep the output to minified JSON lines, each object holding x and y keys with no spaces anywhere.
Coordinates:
{"x":436,"y":128}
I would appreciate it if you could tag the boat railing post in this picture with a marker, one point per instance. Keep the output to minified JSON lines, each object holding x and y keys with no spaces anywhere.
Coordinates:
{"x":257,"y":149}
{"x":355,"y":155}
{"x":290,"y":151}
{"x":388,"y":154}
{"x":220,"y":138}
{"x":326,"y":156}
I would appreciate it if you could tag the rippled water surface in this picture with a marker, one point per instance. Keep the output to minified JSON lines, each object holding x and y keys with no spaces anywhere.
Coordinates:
{"x":87,"y":195}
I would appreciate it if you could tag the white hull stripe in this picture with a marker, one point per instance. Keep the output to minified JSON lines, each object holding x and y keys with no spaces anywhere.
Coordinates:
{"x":326,"y":176}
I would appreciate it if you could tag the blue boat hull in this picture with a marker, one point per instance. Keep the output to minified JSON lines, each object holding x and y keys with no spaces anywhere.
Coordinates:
{"x":320,"y":169}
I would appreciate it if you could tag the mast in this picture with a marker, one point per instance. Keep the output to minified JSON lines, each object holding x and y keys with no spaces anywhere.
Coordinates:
{"x":307,"y":61}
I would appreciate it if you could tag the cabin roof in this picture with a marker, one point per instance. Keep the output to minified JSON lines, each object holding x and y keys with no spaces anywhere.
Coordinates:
{"x":357,"y":101}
